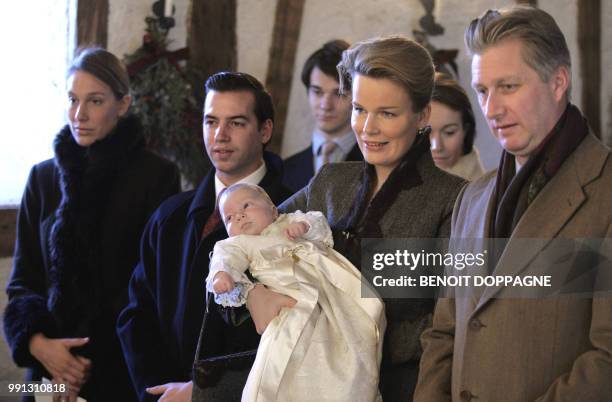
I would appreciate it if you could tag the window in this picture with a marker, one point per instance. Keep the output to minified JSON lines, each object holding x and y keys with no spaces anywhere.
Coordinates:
{"x":36,"y":47}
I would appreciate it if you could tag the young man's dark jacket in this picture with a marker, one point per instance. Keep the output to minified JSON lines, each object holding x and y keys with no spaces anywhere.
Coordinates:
{"x":299,"y":168}
{"x":159,"y":328}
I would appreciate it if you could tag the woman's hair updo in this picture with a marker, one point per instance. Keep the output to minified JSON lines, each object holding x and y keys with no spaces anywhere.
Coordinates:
{"x":396,"y":58}
{"x":105,"y":66}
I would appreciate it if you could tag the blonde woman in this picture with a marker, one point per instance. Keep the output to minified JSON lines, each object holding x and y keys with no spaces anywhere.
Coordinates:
{"x":390,"y":194}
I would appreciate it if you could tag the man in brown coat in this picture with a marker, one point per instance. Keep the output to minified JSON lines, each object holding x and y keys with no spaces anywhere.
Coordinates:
{"x":553,"y":185}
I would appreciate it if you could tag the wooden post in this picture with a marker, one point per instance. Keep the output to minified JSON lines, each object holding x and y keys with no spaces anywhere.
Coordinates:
{"x":212,"y":39}
{"x":285,"y":37}
{"x":589,"y":51}
{"x":92,"y":23}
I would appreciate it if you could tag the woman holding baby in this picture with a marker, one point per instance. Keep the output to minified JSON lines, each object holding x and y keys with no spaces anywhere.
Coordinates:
{"x":396,"y":192}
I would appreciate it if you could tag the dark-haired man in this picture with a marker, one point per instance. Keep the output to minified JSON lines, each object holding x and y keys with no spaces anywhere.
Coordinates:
{"x":160,"y":326}
{"x":333,"y":139}
{"x":503,"y":344}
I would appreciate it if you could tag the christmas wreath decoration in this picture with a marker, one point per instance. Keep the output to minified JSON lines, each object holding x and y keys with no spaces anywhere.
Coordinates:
{"x":163,"y":99}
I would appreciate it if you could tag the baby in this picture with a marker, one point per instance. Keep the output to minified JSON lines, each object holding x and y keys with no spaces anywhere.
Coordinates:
{"x":330,"y":342}
{"x":248,"y":212}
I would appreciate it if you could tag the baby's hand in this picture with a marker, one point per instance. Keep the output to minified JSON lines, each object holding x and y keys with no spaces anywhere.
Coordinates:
{"x":296,"y":230}
{"x":222,"y":282}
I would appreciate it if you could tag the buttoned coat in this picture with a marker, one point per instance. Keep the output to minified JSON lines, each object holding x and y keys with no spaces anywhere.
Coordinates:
{"x":486,"y":347}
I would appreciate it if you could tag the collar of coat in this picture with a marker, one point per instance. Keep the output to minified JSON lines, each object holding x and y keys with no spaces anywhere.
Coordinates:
{"x":86,"y":178}
{"x":364,"y":216}
{"x":116,"y":147}
{"x":515,"y":191}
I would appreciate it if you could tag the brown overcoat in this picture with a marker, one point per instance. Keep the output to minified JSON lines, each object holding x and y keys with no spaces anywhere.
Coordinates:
{"x":485,"y":347}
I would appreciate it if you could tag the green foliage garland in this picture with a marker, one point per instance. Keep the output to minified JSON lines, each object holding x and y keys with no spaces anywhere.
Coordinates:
{"x":163,"y":100}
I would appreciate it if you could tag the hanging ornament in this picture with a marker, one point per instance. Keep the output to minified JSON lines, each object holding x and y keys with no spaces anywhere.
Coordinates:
{"x":163,"y":98}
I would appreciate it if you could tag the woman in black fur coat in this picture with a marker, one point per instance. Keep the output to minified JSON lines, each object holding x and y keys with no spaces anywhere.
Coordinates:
{"x":78,"y":233}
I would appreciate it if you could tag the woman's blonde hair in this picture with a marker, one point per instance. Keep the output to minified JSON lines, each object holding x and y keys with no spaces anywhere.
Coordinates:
{"x":105,"y":66}
{"x":396,"y":58}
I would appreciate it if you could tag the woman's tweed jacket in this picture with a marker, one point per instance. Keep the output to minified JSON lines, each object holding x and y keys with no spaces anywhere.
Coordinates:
{"x":420,"y":211}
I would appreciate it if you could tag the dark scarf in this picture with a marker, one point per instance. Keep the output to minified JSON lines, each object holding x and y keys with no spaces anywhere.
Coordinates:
{"x":514,"y":192}
{"x":363,"y":218}
{"x":86,"y":177}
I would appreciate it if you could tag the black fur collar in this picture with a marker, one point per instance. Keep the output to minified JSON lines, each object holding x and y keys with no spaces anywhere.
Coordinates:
{"x":364,"y":216}
{"x":86,"y":178}
{"x":124,"y":139}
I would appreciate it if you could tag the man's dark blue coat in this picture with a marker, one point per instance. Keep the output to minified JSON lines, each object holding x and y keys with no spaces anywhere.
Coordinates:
{"x":160,"y":326}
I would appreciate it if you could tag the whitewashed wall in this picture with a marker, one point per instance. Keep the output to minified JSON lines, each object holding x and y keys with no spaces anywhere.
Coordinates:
{"x":35,"y":57}
{"x":355,"y":20}
{"x":565,"y":12}
{"x":126,"y":25}
{"x":255,"y":22}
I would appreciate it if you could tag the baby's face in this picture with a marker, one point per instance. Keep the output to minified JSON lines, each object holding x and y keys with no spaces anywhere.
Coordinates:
{"x":245,"y":211}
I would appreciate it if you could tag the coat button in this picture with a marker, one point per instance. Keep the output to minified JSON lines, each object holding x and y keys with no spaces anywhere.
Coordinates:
{"x":466,"y":396}
{"x":475,"y":324}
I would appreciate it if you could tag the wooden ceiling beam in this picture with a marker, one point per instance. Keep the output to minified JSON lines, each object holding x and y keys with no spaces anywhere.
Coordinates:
{"x":92,"y":23}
